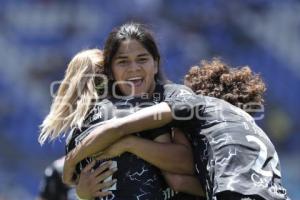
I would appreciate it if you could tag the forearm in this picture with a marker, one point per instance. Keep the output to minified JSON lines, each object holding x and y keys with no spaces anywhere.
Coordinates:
{"x":100,"y":138}
{"x":176,"y":158}
{"x":147,"y":118}
{"x":184,"y":183}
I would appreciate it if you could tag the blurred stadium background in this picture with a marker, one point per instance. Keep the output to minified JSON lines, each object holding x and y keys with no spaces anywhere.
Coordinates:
{"x":38,"y":38}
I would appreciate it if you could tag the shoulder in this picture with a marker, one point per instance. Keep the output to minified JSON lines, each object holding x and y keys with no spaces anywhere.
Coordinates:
{"x":98,"y":105}
{"x":174,"y":86}
{"x":70,"y":140}
{"x":175,"y":90}
{"x":100,"y":111}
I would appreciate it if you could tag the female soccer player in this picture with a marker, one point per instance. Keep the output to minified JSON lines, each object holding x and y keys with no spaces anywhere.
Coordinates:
{"x":234,"y":158}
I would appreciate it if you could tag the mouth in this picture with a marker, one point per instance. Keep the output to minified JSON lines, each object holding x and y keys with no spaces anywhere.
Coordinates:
{"x":136,"y":81}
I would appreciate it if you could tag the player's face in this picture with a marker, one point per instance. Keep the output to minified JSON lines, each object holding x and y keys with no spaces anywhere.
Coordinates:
{"x":134,"y":68}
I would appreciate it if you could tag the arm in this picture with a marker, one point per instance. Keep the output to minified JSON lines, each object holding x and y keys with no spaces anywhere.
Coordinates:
{"x":176,"y":158}
{"x":184,"y":183}
{"x":106,"y":134}
{"x":182,"y":100}
{"x":167,"y":156}
{"x":164,"y":155}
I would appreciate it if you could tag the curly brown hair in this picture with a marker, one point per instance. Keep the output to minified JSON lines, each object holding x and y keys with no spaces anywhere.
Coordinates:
{"x":238,"y":86}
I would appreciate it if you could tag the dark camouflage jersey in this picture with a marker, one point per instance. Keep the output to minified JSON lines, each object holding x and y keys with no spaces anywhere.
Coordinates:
{"x":231,"y":152}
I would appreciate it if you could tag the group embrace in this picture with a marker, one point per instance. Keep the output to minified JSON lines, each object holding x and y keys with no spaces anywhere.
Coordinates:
{"x":132,"y":134}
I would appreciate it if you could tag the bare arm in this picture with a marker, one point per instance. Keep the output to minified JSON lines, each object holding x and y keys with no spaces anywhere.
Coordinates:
{"x":184,"y":183}
{"x":167,"y":156}
{"x":179,"y":182}
{"x":147,"y":118}
{"x":176,"y":158}
{"x":106,"y":134}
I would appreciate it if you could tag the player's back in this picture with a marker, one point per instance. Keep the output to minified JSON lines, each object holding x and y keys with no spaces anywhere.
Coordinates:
{"x":237,"y":154}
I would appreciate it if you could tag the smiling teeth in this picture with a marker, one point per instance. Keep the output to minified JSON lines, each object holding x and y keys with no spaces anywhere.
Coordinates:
{"x":134,"y":79}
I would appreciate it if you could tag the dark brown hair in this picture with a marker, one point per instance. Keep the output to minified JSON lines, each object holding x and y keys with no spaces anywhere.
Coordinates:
{"x":238,"y":86}
{"x":131,"y":31}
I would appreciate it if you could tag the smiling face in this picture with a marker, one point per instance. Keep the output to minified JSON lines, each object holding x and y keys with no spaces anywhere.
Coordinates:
{"x":133,"y":69}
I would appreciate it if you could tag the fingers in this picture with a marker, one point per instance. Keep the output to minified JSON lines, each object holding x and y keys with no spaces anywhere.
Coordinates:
{"x":102,"y":194}
{"x":98,"y":181}
{"x":106,"y":174}
{"x":104,"y":185}
{"x":102,"y":168}
{"x":89,"y":167}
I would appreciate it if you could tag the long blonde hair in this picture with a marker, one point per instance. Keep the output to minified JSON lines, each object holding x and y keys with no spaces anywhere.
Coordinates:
{"x":75,"y":94}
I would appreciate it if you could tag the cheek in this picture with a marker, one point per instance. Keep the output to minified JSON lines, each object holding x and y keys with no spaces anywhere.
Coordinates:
{"x":150,"y":78}
{"x":151,"y":70}
{"x":116,"y":73}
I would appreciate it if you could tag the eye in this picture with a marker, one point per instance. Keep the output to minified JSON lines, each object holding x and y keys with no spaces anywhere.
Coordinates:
{"x":142,"y":60}
{"x":122,"y":62}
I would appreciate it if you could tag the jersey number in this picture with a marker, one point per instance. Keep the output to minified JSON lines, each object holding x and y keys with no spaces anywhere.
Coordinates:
{"x":262,"y":158}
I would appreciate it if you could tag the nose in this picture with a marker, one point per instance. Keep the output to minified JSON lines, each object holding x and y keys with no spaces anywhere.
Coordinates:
{"x":134,"y":66}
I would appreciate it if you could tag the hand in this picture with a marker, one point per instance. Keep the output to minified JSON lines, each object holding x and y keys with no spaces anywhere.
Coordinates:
{"x":115,"y":149}
{"x":69,"y":171}
{"x":91,"y":181}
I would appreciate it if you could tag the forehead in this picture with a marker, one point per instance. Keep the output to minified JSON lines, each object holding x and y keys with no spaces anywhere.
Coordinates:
{"x":129,"y":47}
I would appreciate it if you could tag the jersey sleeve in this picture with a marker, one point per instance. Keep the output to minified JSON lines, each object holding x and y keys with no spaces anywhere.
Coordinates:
{"x":184,"y":103}
{"x":70,"y":142}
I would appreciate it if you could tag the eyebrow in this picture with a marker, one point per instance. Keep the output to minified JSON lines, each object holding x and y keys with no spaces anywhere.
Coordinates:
{"x":125,"y":57}
{"x":121,"y":57}
{"x":144,"y":54}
